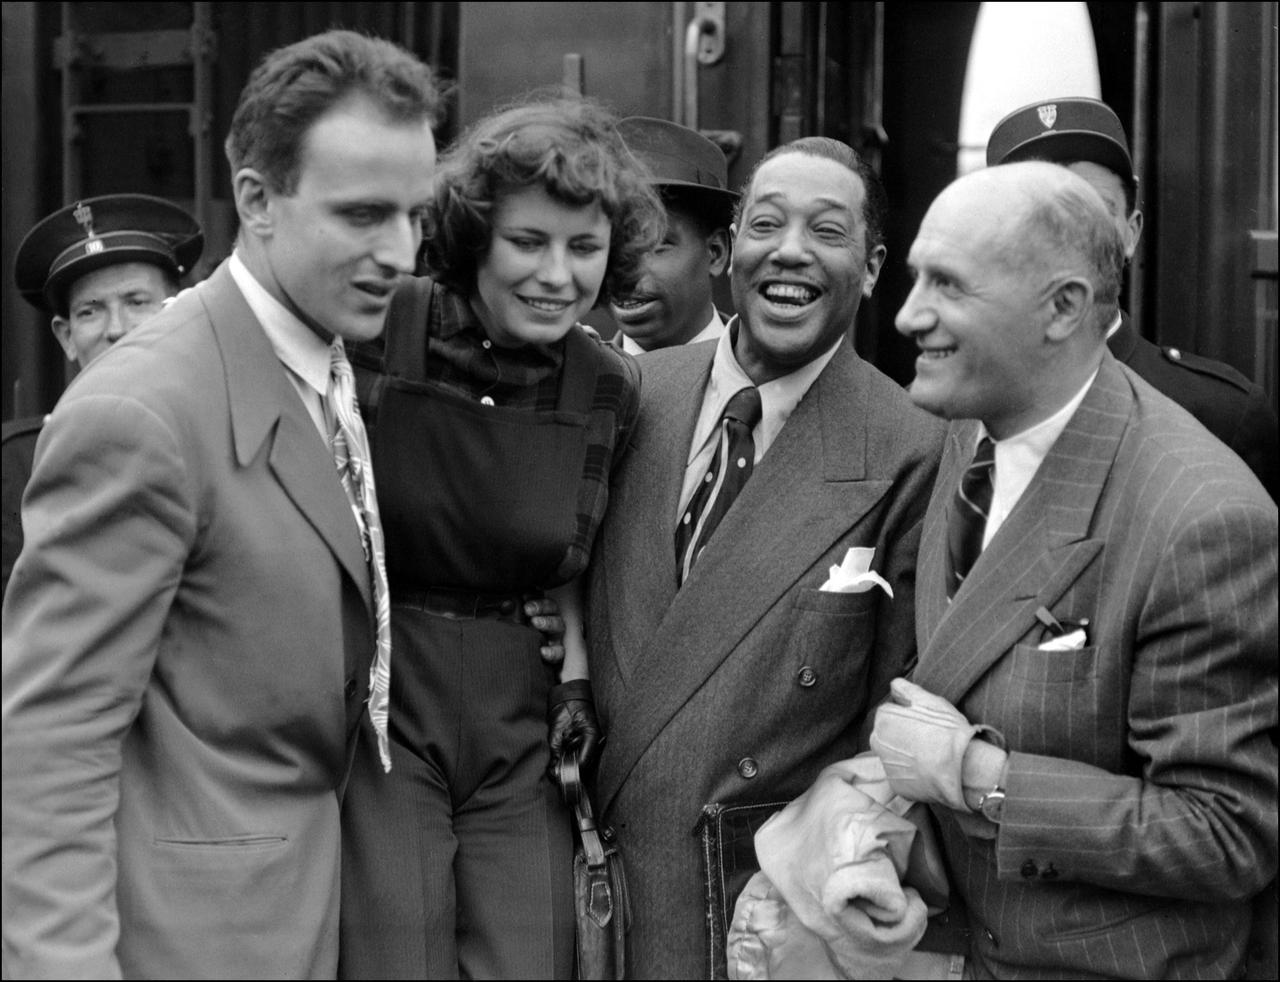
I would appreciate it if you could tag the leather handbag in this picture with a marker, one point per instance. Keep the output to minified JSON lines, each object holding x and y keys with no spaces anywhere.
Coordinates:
{"x":599,"y":883}
{"x":727,"y":835}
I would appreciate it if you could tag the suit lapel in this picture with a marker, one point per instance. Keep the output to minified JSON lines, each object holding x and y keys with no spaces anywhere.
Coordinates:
{"x":1038,"y":553}
{"x":810,"y":488}
{"x":639,"y":539}
{"x":265,"y":409}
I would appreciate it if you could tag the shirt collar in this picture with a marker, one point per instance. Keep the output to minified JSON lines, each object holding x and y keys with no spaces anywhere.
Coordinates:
{"x":778,"y":398}
{"x":1018,"y":457}
{"x":713,"y":330}
{"x":298,"y":347}
{"x":1115,"y":326}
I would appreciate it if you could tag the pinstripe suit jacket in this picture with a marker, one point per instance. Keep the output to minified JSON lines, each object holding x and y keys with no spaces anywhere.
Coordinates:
{"x":1141,"y":809}
{"x":743,"y":684}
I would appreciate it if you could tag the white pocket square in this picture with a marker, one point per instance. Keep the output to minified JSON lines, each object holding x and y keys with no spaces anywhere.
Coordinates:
{"x":1071,"y":641}
{"x":855,"y":575}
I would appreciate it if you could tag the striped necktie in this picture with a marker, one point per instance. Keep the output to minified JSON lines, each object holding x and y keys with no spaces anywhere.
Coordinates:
{"x":730,"y":467}
{"x":354,"y":462}
{"x":969,"y":511}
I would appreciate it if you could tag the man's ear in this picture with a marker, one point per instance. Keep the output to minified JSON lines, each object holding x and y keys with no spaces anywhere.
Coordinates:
{"x":875,"y":263}
{"x":1072,"y":303}
{"x":1134,"y":224}
{"x":733,"y":234}
{"x":61,"y":328}
{"x":253,"y":202}
{"x":718,"y":251}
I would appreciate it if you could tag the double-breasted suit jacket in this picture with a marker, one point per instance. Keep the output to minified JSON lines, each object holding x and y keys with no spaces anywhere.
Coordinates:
{"x":187,"y":640}
{"x":743,"y":684}
{"x":1141,"y":790}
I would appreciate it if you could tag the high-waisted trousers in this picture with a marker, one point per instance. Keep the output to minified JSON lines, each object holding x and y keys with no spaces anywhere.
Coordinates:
{"x":458,"y":863}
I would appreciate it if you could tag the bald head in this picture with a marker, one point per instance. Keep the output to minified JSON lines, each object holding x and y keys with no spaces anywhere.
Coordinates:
{"x":1040,"y":218}
{"x":1017,"y":277}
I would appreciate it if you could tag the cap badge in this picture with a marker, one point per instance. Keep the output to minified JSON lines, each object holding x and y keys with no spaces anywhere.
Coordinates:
{"x":1048,"y":115}
{"x":83,"y":215}
{"x":93,"y":247}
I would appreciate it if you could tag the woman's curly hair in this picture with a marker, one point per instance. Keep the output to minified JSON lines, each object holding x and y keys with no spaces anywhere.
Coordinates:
{"x":569,"y":146}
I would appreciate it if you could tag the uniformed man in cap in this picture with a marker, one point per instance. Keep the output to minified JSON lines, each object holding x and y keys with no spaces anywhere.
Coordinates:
{"x":672,"y":304}
{"x":99,"y":268}
{"x":1086,"y":137}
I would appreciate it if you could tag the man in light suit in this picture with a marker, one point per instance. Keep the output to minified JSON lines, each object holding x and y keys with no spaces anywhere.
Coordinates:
{"x":1113,"y":644}
{"x":189,"y":630}
{"x":737,"y":681}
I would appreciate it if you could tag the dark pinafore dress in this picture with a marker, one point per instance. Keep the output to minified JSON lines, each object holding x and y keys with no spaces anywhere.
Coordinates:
{"x":459,"y":859}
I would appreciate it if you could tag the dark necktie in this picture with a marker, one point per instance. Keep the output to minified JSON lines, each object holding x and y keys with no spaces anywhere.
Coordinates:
{"x":969,"y":513}
{"x":730,"y":467}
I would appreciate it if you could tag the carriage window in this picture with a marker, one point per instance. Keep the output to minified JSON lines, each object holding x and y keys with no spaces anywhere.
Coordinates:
{"x":1022,"y":52}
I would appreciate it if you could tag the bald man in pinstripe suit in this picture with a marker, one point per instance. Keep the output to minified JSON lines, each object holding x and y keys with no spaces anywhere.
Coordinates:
{"x":1090,"y":716}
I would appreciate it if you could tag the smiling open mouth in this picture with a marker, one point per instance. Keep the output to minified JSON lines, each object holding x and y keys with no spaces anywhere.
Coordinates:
{"x":936,"y":354}
{"x":545,"y":305}
{"x":789,"y":294}
{"x":634,"y":302}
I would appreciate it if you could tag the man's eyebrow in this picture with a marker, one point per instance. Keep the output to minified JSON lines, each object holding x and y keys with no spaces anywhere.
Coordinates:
{"x":826,"y":202}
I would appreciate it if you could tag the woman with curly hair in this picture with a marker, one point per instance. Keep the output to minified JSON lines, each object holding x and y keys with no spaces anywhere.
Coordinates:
{"x":497,"y":423}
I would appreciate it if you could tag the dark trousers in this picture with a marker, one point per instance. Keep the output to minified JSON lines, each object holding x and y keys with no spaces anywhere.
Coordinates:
{"x":457,"y":864}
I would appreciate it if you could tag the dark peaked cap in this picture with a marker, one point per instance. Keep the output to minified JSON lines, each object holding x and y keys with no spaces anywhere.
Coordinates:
{"x":681,"y":159}
{"x":1063,"y":131}
{"x":103,"y":231}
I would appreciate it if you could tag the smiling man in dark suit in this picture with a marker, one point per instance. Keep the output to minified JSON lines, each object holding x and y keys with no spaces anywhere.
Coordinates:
{"x":1097,"y":591}
{"x":724,"y":671}
{"x":190,"y":628}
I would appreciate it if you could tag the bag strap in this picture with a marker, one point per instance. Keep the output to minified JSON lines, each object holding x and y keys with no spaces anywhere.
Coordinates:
{"x":400,"y":350}
{"x":569,"y":774}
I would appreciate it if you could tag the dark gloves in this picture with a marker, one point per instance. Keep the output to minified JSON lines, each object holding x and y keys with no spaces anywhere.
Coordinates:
{"x":571,"y":723}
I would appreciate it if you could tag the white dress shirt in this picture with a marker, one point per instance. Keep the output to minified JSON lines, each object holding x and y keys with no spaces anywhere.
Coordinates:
{"x":778,"y":399}
{"x":304,"y":355}
{"x":713,"y":330}
{"x":1018,"y":457}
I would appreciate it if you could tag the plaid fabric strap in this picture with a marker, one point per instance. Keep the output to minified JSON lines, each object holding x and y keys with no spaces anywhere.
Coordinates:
{"x":354,"y":462}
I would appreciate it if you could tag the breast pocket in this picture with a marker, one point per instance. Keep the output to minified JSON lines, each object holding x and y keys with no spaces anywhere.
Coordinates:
{"x":1065,"y":704}
{"x":830,"y":636}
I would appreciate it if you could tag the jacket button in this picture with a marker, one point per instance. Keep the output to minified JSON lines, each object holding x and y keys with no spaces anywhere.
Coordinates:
{"x":507,"y":607}
{"x":1175,"y":354}
{"x":807,"y":677}
{"x":748,"y":767}
{"x":1050,"y":873}
{"x":1029,"y":869}
{"x":991,"y":938}
{"x":350,"y":688}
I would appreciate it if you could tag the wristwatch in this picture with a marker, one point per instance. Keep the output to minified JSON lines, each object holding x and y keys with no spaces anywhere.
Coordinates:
{"x":991,"y":804}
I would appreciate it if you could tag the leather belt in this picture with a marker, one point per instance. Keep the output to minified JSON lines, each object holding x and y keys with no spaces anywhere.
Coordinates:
{"x":460,"y":605}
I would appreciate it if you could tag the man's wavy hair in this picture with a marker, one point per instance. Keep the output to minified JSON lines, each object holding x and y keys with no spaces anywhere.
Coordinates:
{"x":295,"y":85}
{"x":569,"y":146}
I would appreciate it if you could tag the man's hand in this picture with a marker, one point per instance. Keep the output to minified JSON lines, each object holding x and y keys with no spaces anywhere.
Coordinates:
{"x":922,"y":740}
{"x":571,"y":722}
{"x":544,"y":615}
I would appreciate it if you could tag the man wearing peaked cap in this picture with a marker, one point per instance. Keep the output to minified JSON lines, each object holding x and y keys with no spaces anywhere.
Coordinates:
{"x":1086,"y":136}
{"x":100,"y":267}
{"x":672,"y":304}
